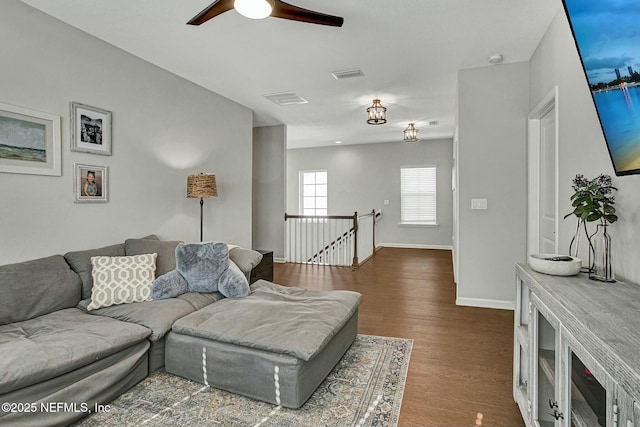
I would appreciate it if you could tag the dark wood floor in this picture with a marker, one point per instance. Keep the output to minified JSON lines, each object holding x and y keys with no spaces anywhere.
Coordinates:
{"x":461,"y":363}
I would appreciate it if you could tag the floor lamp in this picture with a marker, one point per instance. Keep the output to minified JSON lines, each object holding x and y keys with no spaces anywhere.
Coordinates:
{"x":200,"y":186}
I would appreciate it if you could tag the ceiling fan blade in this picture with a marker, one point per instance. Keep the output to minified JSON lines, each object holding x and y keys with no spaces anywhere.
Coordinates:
{"x":211,"y":11}
{"x":287,"y":11}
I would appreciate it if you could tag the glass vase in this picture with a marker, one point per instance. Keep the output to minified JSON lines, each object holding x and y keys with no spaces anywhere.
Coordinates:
{"x":602,"y":263}
{"x":576,"y":241}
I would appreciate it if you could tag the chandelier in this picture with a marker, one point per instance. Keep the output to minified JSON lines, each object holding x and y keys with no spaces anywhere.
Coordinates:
{"x":377,"y":114}
{"x":411,"y":133}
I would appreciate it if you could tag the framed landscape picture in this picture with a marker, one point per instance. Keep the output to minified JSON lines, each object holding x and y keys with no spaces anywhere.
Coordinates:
{"x":90,"y":129}
{"x":90,"y":183}
{"x":29,"y":141}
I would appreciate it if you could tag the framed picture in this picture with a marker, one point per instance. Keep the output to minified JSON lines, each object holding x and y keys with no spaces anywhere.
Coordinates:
{"x":90,"y":129}
{"x":29,"y":141}
{"x":90,"y":183}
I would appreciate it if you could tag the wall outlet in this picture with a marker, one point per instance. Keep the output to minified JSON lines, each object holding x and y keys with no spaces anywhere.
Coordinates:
{"x":479,"y":204}
{"x":386,"y":203}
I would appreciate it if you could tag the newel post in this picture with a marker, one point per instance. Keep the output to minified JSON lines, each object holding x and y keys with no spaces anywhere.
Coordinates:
{"x":355,"y":241}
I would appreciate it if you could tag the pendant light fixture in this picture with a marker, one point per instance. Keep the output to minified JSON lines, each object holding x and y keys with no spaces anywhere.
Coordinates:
{"x":377,"y":114}
{"x":411,"y":133}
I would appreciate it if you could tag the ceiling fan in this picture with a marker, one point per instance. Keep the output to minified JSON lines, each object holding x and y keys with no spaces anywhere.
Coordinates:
{"x":258,"y":9}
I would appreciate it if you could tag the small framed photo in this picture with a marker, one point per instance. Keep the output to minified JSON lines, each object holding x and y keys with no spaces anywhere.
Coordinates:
{"x":90,"y":183}
{"x":90,"y":129}
{"x":29,"y":141}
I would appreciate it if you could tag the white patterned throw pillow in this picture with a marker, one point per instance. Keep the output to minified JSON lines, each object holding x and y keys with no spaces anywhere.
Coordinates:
{"x":121,"y":279}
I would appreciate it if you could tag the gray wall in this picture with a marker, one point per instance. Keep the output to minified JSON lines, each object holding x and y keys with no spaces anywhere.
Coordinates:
{"x":493,"y":104}
{"x":361,"y":177}
{"x":164,"y":129}
{"x":582,"y":147}
{"x":269,"y":188}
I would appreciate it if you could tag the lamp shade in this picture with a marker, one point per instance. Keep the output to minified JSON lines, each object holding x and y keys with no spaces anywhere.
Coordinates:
{"x":201,"y":185}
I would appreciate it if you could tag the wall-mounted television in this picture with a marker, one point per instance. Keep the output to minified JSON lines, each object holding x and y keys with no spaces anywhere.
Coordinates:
{"x":607,"y":35}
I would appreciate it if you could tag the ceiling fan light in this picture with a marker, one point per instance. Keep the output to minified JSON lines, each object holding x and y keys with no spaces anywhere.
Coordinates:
{"x":254,"y":9}
{"x":411,"y":133}
{"x":376,"y":114}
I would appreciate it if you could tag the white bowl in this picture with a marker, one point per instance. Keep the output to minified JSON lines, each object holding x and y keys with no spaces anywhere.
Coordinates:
{"x":555,"y":264}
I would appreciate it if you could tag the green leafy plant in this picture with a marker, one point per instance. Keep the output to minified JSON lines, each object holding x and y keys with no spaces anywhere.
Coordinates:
{"x":593,"y":200}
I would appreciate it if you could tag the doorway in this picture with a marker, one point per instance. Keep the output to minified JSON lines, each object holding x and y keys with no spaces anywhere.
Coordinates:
{"x":542,"y":221}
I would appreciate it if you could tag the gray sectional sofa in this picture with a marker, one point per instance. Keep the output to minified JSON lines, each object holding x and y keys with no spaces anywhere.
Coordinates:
{"x":58,"y":360}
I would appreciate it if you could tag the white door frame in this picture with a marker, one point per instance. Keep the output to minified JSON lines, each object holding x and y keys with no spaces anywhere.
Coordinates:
{"x":548,"y":103}
{"x":456,"y":208}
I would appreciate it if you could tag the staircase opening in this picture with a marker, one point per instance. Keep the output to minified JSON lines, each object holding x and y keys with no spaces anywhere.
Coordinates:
{"x":341,"y":240}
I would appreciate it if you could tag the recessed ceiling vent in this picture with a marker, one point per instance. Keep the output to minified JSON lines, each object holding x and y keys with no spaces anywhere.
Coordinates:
{"x":347,"y":74}
{"x":286,"y":98}
{"x":434,"y":122}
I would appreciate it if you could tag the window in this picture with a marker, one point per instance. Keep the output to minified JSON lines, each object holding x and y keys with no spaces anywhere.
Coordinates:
{"x":418,"y":195}
{"x":314,"y":192}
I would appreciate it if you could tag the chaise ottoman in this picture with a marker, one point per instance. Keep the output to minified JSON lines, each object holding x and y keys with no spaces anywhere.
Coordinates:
{"x":276,"y":345}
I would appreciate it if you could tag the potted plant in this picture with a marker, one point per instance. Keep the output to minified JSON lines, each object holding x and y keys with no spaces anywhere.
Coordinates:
{"x":593,"y":200}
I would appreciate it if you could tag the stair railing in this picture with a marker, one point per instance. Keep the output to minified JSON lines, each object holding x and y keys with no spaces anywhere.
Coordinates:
{"x":330,"y":239}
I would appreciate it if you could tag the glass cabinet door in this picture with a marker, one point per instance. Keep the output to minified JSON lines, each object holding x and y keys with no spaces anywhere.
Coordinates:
{"x":587,"y":396}
{"x":521,"y":357}
{"x":547,"y":410}
{"x":523,"y":369}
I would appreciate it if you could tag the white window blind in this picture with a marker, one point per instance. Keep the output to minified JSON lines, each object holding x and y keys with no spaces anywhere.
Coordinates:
{"x":418,"y":195}
{"x":314,"y":192}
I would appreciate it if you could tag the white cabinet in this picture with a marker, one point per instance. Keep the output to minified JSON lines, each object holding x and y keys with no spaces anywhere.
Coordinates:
{"x":576,"y":351}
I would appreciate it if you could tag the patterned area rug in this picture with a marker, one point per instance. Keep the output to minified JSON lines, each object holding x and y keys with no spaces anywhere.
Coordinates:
{"x":364,"y":389}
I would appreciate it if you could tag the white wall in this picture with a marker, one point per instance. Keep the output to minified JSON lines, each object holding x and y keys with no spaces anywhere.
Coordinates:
{"x":493,"y":105}
{"x":164,"y":128}
{"x":582,"y":146}
{"x":362,"y":176}
{"x":269,"y":188}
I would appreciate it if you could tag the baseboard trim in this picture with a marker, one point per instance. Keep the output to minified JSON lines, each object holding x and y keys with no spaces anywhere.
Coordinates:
{"x":486,"y":303}
{"x":415,"y":246}
{"x":279,"y":260}
{"x":360,"y":262}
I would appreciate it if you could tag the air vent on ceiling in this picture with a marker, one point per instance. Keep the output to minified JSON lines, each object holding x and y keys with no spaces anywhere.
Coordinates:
{"x":434,"y":122}
{"x":347,"y":74}
{"x":286,"y":98}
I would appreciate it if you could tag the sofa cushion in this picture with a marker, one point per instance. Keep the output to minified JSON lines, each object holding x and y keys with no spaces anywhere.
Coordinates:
{"x":56,"y":343}
{"x":155,"y":315}
{"x":199,"y":300}
{"x":166,"y":251}
{"x":121,"y":279}
{"x":245,"y":259}
{"x":274,"y":318}
{"x":80,"y":262}
{"x":33,"y":288}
